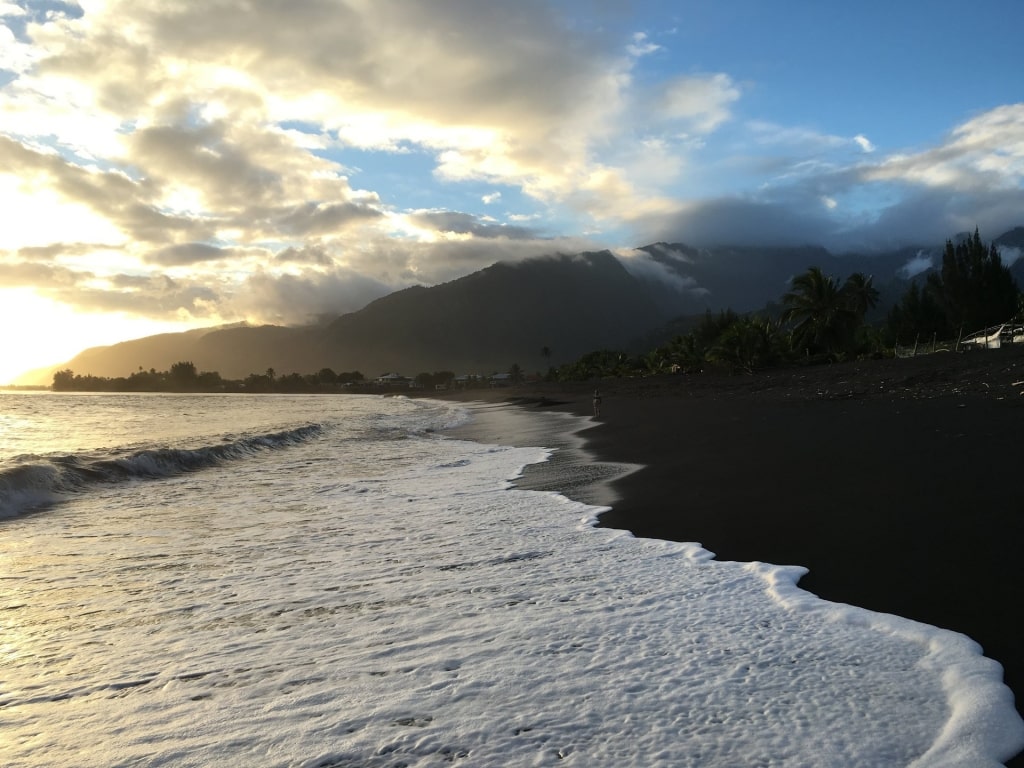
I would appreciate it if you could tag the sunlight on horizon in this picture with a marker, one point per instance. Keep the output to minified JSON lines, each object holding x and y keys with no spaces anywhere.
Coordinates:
{"x":41,"y":333}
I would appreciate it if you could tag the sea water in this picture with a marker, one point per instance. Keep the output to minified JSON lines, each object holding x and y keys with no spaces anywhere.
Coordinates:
{"x":336,"y":581}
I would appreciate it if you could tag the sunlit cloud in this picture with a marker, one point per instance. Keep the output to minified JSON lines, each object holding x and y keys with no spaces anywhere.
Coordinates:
{"x":986,"y":150}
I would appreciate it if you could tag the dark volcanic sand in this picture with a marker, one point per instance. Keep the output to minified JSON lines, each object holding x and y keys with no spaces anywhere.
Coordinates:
{"x":898,"y":483}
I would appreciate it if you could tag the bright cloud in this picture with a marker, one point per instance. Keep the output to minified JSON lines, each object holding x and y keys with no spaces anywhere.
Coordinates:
{"x":864,"y":143}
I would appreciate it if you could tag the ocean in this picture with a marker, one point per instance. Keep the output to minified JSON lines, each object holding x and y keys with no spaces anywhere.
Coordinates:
{"x":222,"y":580}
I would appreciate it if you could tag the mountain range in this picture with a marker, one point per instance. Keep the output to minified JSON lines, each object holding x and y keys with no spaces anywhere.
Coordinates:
{"x":534,"y":313}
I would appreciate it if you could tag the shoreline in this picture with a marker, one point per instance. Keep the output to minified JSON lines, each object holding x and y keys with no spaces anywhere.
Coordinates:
{"x":896,"y":483}
{"x":572,"y":470}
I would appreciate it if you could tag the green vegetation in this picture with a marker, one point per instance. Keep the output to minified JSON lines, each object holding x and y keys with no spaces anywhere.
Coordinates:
{"x":824,"y":320}
{"x":821,"y":320}
{"x":972,"y":291}
{"x":434,"y":380}
{"x":183,"y":377}
{"x":825,"y":317}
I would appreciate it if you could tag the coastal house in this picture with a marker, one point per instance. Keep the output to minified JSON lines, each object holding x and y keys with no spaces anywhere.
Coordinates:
{"x":392,"y":380}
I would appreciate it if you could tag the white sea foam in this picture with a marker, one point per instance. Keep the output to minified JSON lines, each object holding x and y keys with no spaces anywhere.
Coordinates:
{"x":375,"y":597}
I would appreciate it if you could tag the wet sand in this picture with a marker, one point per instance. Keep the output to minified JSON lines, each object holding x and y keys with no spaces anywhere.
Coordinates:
{"x":898,"y":483}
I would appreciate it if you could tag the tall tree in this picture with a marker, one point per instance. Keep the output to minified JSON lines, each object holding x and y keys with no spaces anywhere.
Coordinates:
{"x":183,"y":374}
{"x":748,"y":344}
{"x":917,"y":315}
{"x":859,"y":295}
{"x":816,"y":308}
{"x":827,"y":317}
{"x":974,"y":289}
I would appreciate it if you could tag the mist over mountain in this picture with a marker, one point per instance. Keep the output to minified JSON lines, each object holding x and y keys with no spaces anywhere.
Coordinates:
{"x":481,"y":323}
{"x":509,"y":312}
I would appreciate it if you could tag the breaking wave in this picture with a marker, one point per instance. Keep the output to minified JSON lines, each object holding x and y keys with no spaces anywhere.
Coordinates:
{"x":38,"y":481}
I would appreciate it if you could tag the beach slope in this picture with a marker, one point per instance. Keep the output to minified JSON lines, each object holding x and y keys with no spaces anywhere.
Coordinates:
{"x":897,"y":483}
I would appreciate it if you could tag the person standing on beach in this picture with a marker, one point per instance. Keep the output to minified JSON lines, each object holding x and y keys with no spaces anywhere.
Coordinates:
{"x":597,"y":403}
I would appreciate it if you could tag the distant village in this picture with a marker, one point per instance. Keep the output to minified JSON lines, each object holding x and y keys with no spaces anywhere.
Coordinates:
{"x":464,"y":381}
{"x":184,"y":377}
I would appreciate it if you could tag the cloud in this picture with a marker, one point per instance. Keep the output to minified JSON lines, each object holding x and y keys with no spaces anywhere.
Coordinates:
{"x":466,"y":224}
{"x":156,"y":296}
{"x":641,"y":46}
{"x":641,"y":264}
{"x":295,"y":299}
{"x":401,"y":263}
{"x":1010,"y":254}
{"x":984,"y":153}
{"x":187,"y":101}
{"x":922,"y":262}
{"x":806,"y":139}
{"x":491,"y":198}
{"x":187,"y":254}
{"x":973,"y":178}
{"x":700,"y":102}
{"x":55,"y":250}
{"x":313,"y":254}
{"x":738,"y":221}
{"x":112,"y":196}
{"x":30,"y":274}
{"x":864,"y":143}
{"x":324,"y":218}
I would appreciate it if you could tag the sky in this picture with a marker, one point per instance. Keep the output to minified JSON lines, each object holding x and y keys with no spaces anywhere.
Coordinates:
{"x":173,"y":165}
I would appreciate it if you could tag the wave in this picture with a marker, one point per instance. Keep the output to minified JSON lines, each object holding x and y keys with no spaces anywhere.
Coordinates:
{"x":38,"y":482}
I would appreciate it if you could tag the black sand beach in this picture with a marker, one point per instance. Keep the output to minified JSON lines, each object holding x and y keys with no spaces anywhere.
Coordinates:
{"x":897,"y":483}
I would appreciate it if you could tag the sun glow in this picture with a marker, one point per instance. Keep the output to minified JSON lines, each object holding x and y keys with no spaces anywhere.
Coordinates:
{"x":41,"y":333}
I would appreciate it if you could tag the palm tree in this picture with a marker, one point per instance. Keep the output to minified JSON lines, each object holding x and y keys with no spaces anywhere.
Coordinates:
{"x":748,"y":344}
{"x":859,"y":294}
{"x":816,"y":306}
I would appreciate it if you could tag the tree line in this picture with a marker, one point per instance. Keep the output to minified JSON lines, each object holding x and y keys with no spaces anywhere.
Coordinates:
{"x":823,"y":319}
{"x":183,"y":376}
